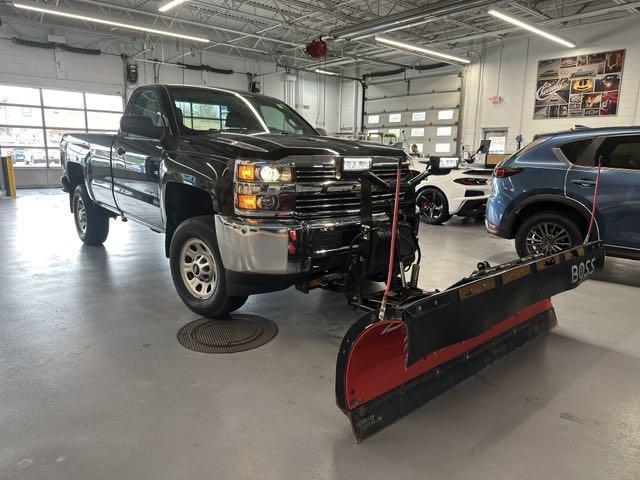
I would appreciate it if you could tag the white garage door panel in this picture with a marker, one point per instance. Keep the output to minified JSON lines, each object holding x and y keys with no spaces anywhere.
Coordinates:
{"x":429,"y":95}
{"x":447,"y":82}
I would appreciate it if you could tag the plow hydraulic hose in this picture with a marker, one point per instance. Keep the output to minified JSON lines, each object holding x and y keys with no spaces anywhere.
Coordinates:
{"x":392,"y":248}
{"x":594,"y":202}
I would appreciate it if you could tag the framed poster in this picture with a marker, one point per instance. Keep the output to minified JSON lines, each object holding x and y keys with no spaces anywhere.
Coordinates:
{"x":579,"y":86}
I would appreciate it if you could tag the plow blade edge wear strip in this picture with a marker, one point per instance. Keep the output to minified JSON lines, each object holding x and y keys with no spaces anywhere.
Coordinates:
{"x":386,"y":369}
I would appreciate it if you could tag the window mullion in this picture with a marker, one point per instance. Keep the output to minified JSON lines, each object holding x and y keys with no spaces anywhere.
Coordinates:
{"x":86,"y":115}
{"x":44,"y":128}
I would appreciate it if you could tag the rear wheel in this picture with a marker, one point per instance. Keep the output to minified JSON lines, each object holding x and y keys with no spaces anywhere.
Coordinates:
{"x":432,"y":206}
{"x":197,"y":270}
{"x":547,"y":233}
{"x":92,"y":221}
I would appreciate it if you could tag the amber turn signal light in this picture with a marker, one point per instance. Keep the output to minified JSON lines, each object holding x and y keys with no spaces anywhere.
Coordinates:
{"x":246,"y":172}
{"x":247,"y":202}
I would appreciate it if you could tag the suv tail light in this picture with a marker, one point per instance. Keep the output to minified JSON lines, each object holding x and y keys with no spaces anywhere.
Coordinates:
{"x":471,"y":181}
{"x":503,"y":172}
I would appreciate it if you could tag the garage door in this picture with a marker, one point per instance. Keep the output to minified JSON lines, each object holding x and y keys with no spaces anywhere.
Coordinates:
{"x":422,"y":110}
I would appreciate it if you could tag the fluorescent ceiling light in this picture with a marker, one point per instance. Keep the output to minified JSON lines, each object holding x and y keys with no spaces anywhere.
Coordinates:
{"x":170,"y":5}
{"x":361,"y":36}
{"x":103,"y":21}
{"x":423,"y":51}
{"x":531,"y":28}
{"x":325,"y":72}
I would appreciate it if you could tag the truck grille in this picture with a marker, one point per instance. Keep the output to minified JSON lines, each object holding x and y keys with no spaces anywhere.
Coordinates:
{"x":323,"y":172}
{"x":344,"y":198}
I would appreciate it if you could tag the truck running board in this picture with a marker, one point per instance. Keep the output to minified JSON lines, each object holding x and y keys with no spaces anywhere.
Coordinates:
{"x":386,"y":369}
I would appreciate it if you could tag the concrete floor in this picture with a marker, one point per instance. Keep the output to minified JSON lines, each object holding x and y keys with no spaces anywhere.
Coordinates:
{"x":94,"y":385}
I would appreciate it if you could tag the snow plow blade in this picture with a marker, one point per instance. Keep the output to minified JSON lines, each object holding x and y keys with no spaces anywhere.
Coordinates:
{"x":386,"y":369}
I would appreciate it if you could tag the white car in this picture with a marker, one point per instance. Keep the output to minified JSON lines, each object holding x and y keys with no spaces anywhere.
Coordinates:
{"x":463,"y":191}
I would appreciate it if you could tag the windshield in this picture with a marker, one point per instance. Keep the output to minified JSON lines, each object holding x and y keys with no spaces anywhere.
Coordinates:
{"x":200,"y":111}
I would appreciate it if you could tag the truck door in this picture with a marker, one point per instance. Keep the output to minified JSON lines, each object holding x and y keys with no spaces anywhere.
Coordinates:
{"x":618,"y":201}
{"x":136,"y":163}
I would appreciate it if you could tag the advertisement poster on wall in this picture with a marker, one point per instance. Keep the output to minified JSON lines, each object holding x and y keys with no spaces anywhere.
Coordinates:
{"x":579,"y":86}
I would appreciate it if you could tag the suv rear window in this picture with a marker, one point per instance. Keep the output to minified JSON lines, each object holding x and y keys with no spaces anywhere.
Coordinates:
{"x":573,"y":150}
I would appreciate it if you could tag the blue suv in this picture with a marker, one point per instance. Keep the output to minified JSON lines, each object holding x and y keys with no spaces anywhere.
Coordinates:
{"x":543,"y":194}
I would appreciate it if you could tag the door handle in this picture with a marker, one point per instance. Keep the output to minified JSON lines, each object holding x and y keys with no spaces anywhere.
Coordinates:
{"x":583,"y":182}
{"x":121,"y":151}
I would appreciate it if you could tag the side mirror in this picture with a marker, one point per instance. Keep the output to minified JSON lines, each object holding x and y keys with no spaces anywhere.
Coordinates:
{"x":321,"y":131}
{"x":142,"y":126}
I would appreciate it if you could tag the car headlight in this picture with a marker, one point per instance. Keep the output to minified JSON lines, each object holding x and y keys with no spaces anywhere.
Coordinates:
{"x":268,"y":174}
{"x":257,"y":172}
{"x":263,"y":188}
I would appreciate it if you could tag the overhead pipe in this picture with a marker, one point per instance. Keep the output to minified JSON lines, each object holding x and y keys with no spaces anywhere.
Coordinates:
{"x":408,"y":18}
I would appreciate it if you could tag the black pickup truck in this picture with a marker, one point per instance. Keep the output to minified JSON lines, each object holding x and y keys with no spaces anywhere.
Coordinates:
{"x":250,"y":197}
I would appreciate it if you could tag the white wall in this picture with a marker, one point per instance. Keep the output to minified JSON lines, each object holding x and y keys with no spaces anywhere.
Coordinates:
{"x":513,"y":77}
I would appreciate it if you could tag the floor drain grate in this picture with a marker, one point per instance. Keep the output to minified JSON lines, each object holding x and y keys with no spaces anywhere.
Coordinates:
{"x":236,"y":333}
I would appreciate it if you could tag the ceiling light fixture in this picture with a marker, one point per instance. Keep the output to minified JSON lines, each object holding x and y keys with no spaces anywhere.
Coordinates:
{"x":531,"y":28}
{"x":86,"y":18}
{"x":424,"y":51}
{"x":169,"y":5}
{"x":325,"y":72}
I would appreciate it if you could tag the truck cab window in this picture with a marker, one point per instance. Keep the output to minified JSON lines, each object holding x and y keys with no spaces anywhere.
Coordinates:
{"x":200,"y":116}
{"x":206,"y":111}
{"x":147,"y":104}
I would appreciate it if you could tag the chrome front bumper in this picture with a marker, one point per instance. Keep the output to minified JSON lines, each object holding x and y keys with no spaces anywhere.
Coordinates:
{"x":261,"y":245}
{"x":256,"y":246}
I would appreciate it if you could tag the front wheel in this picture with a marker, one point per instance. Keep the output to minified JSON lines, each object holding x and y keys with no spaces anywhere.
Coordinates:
{"x":197,"y":270}
{"x":432,"y":206}
{"x":547,"y":233}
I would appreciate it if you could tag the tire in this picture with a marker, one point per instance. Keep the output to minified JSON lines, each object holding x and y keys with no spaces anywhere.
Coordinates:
{"x":432,"y":206}
{"x":92,"y":221}
{"x":238,"y":302}
{"x":197,"y":270}
{"x":547,"y":233}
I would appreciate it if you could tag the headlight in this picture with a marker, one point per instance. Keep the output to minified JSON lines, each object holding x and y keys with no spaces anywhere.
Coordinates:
{"x":255,"y":172}
{"x":269,"y":174}
{"x":246,"y":172}
{"x":263,"y":188}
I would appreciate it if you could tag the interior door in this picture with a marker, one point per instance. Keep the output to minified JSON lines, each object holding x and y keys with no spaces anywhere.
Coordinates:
{"x":136,"y":163}
{"x":618,"y":199}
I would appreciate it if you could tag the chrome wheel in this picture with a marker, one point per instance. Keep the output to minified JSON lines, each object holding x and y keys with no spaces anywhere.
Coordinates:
{"x":198,"y":269}
{"x":81,"y":215}
{"x":547,"y":238}
{"x":430,"y":206}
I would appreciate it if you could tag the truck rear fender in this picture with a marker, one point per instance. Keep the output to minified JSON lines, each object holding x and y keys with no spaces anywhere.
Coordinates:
{"x":74,"y":177}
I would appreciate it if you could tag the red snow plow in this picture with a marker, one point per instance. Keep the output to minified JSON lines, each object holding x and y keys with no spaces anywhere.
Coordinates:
{"x":411,"y":345}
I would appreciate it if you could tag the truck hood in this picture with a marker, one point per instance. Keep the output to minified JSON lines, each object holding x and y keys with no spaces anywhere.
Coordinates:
{"x":279,"y":146}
